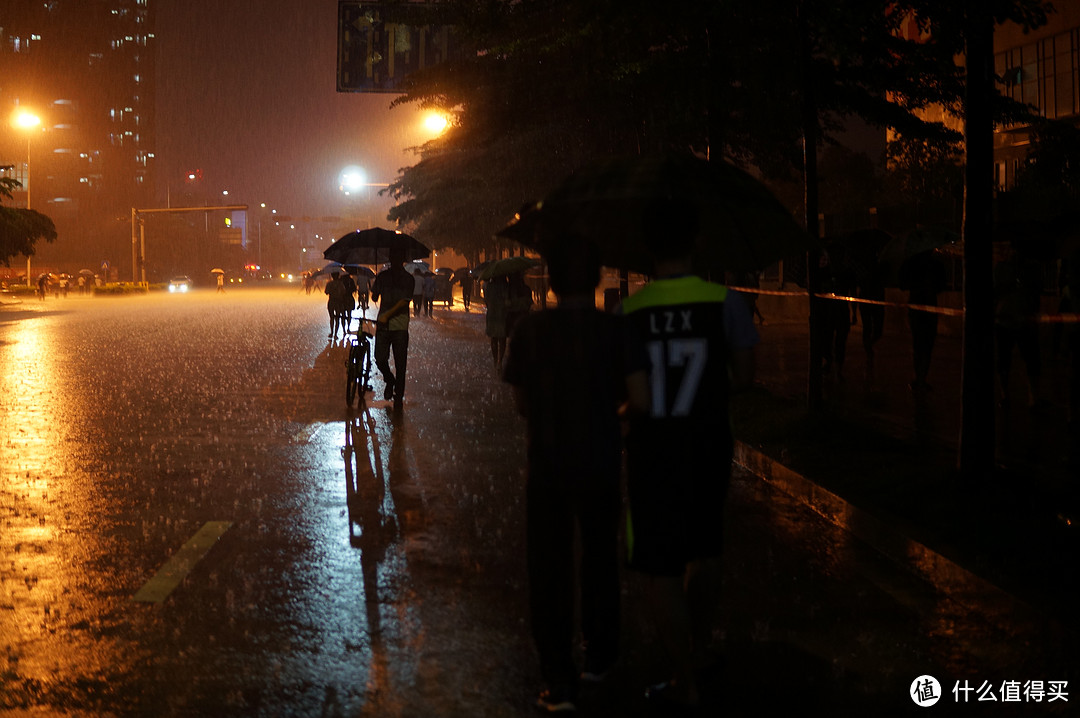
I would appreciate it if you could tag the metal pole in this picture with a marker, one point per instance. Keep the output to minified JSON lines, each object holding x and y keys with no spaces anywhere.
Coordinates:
{"x":28,"y":203}
{"x":142,"y":250}
{"x":134,"y":247}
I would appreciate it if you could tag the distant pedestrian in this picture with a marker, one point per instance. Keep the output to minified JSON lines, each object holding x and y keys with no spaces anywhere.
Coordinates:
{"x":466,"y":289}
{"x":571,"y":368}
{"x":43,"y":286}
{"x":700,"y":339}
{"x":363,"y":288}
{"x":871,"y":286}
{"x":418,"y":291}
{"x":348,"y":301}
{"x":220,"y":283}
{"x":923,"y":276}
{"x":393,"y":288}
{"x":335,"y":303}
{"x":496,"y":297}
{"x":429,"y":293}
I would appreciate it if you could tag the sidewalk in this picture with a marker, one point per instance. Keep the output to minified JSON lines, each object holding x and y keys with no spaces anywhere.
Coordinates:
{"x":885,"y":458}
{"x":880,"y":460}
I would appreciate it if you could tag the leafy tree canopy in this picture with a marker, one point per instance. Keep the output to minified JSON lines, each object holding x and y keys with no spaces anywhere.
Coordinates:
{"x":20,"y":229}
{"x":547,"y":85}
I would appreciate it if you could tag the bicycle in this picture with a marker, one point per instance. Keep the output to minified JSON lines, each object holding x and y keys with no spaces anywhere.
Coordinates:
{"x":358,"y":365}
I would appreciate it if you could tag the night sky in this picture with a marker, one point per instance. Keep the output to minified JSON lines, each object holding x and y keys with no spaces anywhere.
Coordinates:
{"x":247,"y":93}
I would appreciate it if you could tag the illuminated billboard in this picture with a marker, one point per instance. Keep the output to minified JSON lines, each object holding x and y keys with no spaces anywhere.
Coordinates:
{"x":379,"y":43}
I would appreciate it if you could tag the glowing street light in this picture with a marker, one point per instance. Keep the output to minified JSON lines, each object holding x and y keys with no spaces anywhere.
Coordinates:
{"x":352,"y":179}
{"x":435,"y":122}
{"x":25,"y":120}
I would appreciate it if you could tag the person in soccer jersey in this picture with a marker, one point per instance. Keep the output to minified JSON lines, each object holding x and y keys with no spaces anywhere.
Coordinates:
{"x":699,"y":338}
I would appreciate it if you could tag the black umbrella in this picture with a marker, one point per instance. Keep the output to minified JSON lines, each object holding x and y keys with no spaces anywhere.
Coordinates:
{"x":922,"y":239}
{"x":373,"y":246}
{"x":741,"y":225}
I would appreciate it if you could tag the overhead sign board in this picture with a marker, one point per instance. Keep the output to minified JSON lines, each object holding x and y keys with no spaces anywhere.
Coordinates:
{"x":379,"y":43}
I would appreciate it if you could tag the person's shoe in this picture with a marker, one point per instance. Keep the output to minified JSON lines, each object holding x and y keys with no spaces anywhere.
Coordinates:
{"x":555,"y":702}
{"x":388,"y":392}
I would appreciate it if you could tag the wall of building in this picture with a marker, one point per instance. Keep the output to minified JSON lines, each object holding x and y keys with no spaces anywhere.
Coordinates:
{"x":87,"y":70}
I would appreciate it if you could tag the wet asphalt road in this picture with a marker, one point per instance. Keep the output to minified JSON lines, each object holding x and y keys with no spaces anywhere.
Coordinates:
{"x":368,"y":562}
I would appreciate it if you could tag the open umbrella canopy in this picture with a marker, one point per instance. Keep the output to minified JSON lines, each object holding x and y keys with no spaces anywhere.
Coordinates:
{"x":506,"y":267}
{"x":417,"y":267}
{"x":325,"y":271}
{"x":373,"y":246}
{"x":217,"y":270}
{"x":476,"y":271}
{"x":917,"y":241}
{"x":741,"y":226}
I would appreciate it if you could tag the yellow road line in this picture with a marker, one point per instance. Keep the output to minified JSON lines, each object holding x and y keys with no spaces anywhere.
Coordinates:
{"x":169,"y":576}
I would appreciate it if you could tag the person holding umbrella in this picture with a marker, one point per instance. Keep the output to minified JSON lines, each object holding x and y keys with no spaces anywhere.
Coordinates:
{"x":571,"y":368}
{"x":497,"y":298}
{"x":465,"y":277}
{"x":393,"y":289}
{"x":336,"y":304}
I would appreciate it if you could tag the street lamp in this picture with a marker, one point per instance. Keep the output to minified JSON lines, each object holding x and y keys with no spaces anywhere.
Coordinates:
{"x":25,"y":120}
{"x":435,"y":122}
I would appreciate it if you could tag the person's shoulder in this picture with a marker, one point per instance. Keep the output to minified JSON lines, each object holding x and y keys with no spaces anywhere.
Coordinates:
{"x":689,"y":289}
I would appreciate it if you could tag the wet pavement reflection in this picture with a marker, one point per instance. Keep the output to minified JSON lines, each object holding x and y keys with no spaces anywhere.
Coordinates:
{"x":372,"y":563}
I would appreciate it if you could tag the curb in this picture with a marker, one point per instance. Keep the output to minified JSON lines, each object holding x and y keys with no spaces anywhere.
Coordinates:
{"x":952,"y":579}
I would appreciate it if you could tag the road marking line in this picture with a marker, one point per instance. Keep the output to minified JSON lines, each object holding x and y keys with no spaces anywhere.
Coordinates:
{"x":169,"y":576}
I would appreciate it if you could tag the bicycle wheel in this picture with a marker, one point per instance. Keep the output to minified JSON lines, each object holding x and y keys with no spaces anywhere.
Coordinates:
{"x":364,"y":374}
{"x":352,"y":374}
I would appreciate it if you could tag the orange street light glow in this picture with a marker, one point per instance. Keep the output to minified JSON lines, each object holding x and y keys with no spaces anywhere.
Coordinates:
{"x":435,"y":123}
{"x":27,"y":120}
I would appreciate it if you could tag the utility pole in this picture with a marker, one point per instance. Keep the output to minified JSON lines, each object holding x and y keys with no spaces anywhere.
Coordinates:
{"x":138,"y":239}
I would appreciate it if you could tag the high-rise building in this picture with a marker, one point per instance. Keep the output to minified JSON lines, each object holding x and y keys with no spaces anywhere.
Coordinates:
{"x":86,"y":69}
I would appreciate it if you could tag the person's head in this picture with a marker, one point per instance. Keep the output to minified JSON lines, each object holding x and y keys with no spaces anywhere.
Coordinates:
{"x":669,"y":227}
{"x":573,"y":265}
{"x":335,"y":275}
{"x":397,"y":257}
